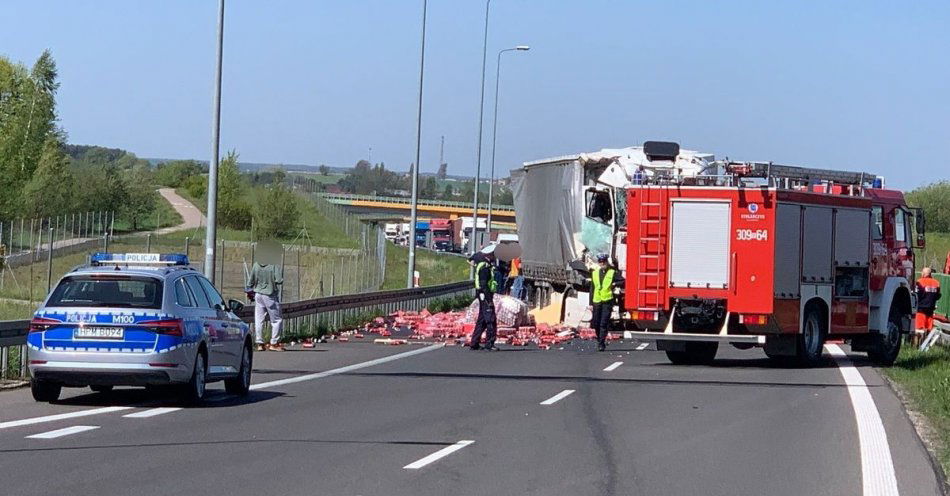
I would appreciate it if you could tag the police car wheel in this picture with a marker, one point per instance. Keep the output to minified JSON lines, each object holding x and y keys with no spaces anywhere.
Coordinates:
{"x":241,"y":384}
{"x":194,"y":391}
{"x":45,"y":391}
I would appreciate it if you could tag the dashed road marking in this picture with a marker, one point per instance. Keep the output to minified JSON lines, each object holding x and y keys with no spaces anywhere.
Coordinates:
{"x":62,"y":416}
{"x":877,"y":467}
{"x":76,"y":429}
{"x":442,"y":453}
{"x":558,"y":397}
{"x":152,"y":412}
{"x":611,"y":367}
{"x":642,"y":346}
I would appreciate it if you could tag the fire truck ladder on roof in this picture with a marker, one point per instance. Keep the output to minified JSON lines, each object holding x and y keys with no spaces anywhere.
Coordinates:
{"x":651,"y":252}
{"x":786,"y":175}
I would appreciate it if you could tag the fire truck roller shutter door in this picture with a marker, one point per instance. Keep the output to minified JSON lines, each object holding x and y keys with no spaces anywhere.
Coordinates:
{"x":699,"y":244}
{"x":852,"y":236}
{"x":788,"y":261}
{"x":817,"y":246}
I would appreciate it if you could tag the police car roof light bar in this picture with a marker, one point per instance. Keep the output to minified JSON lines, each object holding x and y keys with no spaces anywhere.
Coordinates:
{"x":101,"y":258}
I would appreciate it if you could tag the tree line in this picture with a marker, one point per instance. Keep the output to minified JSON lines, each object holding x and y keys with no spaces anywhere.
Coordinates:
{"x":42,"y":176}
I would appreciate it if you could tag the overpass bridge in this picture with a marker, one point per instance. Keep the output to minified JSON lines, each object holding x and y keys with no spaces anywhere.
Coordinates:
{"x":396,"y":204}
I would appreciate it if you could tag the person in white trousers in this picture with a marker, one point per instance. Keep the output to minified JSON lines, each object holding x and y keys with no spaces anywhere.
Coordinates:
{"x":266,"y":282}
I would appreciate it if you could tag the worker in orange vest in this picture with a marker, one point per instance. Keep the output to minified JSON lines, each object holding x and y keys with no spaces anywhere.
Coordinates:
{"x":946,"y":266}
{"x":928,"y":292}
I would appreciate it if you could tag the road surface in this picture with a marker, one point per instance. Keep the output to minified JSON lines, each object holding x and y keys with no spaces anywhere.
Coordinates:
{"x":191,"y":216}
{"x":363,"y":419}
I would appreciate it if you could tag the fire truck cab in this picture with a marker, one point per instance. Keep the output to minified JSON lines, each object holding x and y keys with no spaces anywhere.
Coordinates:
{"x":760,"y":254}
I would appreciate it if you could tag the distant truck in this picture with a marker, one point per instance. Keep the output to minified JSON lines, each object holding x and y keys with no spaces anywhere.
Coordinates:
{"x":391,"y":231}
{"x":422,"y":234}
{"x":442,"y":234}
{"x":746,"y":253}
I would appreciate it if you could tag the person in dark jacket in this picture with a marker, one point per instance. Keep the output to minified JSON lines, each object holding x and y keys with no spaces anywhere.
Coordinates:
{"x":485,"y":287}
{"x":928,"y":293}
{"x":602,"y":279}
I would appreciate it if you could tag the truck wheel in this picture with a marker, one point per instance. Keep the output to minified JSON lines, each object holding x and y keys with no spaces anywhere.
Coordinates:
{"x":885,"y":346}
{"x":241,"y":384}
{"x":45,"y":391}
{"x":811,"y":340}
{"x":696,"y":353}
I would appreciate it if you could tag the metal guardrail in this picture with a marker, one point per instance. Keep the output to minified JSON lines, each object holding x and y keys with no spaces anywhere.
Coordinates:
{"x":407,"y":201}
{"x":300,"y":317}
{"x":333,"y":312}
{"x":13,"y":346}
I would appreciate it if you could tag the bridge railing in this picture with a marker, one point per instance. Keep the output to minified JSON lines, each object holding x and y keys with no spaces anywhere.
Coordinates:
{"x":407,"y":201}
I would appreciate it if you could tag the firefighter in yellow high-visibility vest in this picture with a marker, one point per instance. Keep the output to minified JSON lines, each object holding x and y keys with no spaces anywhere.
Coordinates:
{"x":602,"y":279}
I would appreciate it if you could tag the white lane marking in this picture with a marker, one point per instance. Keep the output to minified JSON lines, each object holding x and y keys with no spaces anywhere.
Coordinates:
{"x":76,"y":429}
{"x":62,"y":416}
{"x":642,"y":346}
{"x":612,"y":366}
{"x":152,"y":412}
{"x":442,"y":453}
{"x":343,"y":370}
{"x":877,"y":468}
{"x":557,"y":397}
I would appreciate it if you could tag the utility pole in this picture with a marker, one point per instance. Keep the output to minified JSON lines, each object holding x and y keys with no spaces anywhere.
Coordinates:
{"x":210,"y":230}
{"x":478,"y":152}
{"x":442,"y":151}
{"x":415,"y":170}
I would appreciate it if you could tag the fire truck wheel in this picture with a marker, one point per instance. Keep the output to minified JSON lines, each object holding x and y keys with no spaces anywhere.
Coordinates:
{"x":885,"y":347}
{"x":695,"y":353}
{"x":812,"y":338}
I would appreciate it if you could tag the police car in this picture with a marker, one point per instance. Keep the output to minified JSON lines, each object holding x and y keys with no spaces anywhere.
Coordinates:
{"x":143,"y":319}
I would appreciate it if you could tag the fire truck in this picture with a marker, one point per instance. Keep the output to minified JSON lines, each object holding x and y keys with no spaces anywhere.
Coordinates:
{"x":752,"y":254}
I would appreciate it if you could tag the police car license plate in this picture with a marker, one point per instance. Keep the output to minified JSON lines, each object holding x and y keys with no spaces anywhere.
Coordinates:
{"x":99,"y":333}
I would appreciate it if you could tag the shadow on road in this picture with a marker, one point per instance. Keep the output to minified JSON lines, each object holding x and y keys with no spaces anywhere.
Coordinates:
{"x":142,"y":398}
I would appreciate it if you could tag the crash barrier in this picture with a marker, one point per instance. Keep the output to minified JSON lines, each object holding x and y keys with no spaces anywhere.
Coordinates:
{"x":333,"y":313}
{"x":13,"y":348}
{"x":939,"y":334}
{"x":301,"y":318}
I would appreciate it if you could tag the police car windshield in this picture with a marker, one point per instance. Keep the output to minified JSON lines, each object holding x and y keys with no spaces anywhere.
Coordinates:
{"x":107,"y":291}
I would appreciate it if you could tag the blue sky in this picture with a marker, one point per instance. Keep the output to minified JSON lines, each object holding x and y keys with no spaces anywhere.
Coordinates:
{"x":844,"y":84}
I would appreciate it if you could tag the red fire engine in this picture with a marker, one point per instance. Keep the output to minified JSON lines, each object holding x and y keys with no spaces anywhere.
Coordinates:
{"x":768,"y":255}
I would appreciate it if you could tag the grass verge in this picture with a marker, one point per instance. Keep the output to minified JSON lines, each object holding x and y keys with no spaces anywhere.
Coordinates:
{"x":925,"y":377}
{"x":434,"y":268}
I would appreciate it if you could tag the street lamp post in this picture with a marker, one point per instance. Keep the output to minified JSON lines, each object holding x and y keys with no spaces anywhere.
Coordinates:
{"x":410,"y":279}
{"x":478,"y":152}
{"x":494,"y":132}
{"x":210,"y":229}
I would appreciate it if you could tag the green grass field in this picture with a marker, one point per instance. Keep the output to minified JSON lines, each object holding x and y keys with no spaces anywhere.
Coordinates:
{"x":926,"y":379}
{"x":10,"y":310}
{"x":935,"y":254}
{"x":433,"y":268}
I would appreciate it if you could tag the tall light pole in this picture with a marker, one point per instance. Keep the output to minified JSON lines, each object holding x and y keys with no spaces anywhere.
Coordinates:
{"x":478,"y":152}
{"x":494,"y":132}
{"x":410,"y":282}
{"x":210,"y":229}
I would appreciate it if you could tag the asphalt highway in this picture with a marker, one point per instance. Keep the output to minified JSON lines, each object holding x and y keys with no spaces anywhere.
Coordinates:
{"x":363,"y":419}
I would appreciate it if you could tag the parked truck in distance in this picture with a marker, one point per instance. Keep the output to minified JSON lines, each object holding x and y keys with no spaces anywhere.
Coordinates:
{"x":442,"y":234}
{"x":714,"y":252}
{"x":422,"y":234}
